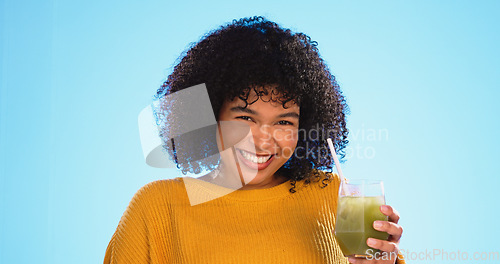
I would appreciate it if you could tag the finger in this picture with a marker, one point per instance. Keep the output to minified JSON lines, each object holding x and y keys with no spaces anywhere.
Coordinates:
{"x":386,"y":246}
{"x":390,"y":212}
{"x":393,"y":229}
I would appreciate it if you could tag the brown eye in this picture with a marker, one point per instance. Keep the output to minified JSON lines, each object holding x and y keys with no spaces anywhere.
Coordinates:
{"x":247,"y":118}
{"x":286,"y":123}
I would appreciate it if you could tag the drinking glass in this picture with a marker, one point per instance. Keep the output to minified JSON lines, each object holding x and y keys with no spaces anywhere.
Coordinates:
{"x":358,"y":206}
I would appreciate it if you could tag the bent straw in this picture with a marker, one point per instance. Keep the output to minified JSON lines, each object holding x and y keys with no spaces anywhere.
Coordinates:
{"x":337,"y":162}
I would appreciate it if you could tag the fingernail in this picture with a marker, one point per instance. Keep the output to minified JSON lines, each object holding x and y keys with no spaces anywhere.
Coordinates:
{"x":351,"y":260}
{"x":385,"y":209}
{"x":377,"y":224}
{"x":371,"y":242}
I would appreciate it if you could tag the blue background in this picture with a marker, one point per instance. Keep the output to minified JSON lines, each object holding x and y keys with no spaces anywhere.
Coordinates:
{"x":420,"y":77}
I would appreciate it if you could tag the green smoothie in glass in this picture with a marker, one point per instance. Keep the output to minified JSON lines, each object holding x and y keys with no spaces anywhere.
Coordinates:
{"x":356,"y":213}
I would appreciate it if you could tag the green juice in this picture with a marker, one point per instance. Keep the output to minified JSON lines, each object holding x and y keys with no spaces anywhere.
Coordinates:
{"x":354,"y":224}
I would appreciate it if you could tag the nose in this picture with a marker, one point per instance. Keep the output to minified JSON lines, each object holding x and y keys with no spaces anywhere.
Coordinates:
{"x":262,"y":138}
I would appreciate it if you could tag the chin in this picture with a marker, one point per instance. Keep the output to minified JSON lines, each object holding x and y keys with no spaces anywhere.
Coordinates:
{"x":261,"y":176}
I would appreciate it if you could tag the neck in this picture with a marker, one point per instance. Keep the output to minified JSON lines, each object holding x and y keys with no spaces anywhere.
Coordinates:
{"x":231,"y":178}
{"x":275,"y":179}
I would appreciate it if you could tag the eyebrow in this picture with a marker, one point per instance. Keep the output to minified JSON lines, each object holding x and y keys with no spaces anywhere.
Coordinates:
{"x":252,"y":112}
{"x":244,"y":110}
{"x":290,"y":114}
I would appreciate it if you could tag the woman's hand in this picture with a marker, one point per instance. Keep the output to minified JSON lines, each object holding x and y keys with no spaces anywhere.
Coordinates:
{"x":390,"y":247}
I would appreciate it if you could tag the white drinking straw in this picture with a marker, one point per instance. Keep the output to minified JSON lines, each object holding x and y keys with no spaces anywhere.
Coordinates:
{"x":336,"y":160}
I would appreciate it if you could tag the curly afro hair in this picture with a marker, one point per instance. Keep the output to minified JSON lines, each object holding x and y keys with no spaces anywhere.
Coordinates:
{"x":255,"y":52}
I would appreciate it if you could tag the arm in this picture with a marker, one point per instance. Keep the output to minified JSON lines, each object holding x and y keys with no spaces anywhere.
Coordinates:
{"x":130,"y":243}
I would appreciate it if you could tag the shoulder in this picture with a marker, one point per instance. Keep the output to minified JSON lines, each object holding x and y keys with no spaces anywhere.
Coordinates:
{"x":147,"y":213}
{"x":158,"y":193}
{"x":160,"y":187}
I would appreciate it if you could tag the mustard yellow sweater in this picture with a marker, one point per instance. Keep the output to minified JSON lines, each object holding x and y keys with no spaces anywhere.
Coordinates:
{"x":245,"y":226}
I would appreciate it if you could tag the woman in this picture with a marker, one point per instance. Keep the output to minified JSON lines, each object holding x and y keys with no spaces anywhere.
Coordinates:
{"x":266,"y":199}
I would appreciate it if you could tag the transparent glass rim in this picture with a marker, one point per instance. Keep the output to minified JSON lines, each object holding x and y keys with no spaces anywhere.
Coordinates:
{"x":363,"y":182}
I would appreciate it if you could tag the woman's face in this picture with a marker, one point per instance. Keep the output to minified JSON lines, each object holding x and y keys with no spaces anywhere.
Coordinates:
{"x":272,"y":141}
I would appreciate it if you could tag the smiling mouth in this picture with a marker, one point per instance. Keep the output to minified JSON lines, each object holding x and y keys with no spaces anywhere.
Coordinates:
{"x":258,"y":159}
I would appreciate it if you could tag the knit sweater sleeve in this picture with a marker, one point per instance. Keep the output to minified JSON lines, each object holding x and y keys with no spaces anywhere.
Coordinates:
{"x":130,"y":243}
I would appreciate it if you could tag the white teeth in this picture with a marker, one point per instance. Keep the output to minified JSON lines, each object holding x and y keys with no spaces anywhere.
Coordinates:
{"x":254,"y":158}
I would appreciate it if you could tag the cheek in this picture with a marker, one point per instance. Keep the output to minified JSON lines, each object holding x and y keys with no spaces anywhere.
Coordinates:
{"x":230,"y":133}
{"x":288,"y":142}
